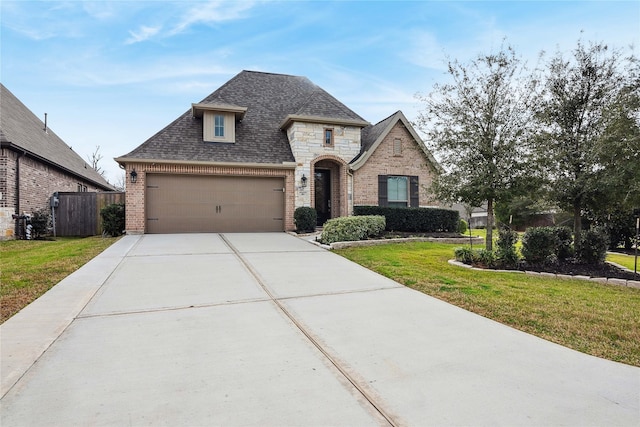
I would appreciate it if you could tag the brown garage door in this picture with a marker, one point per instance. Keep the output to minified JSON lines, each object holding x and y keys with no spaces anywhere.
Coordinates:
{"x":213,"y":204}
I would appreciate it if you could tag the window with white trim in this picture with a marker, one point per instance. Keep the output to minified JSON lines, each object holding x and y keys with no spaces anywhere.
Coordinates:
{"x":218,"y":126}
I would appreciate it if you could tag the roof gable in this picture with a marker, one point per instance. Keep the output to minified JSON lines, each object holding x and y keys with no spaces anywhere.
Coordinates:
{"x":21,"y":129}
{"x":372,"y":137}
{"x":268,"y":99}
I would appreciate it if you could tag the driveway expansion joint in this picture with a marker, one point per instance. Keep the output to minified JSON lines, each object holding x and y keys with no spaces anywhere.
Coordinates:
{"x":376,"y":406}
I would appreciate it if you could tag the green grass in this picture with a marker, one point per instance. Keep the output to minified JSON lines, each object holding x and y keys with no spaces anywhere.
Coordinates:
{"x":624,"y":260}
{"x":29,"y":268}
{"x":601,"y":320}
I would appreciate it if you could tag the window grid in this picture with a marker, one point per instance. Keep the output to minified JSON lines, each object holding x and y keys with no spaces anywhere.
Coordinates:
{"x":219,"y":126}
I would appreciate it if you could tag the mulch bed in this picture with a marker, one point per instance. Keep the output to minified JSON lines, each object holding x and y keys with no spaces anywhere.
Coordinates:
{"x":574,"y":269}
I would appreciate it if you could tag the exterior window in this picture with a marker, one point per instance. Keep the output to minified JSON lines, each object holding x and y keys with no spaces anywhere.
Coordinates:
{"x":328,"y":137}
{"x":398,"y":191}
{"x":397,"y":147}
{"x":218,"y":126}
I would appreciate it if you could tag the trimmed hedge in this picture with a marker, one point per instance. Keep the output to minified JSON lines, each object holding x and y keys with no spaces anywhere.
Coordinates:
{"x":546,"y":244}
{"x":352,"y":228}
{"x":305,"y":219}
{"x":40,"y":223}
{"x":539,"y":245}
{"x":593,"y":246}
{"x":422,"y":220}
{"x":113,"y":219}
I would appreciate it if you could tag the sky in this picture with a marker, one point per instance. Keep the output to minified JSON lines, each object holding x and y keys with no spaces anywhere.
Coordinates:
{"x":111,"y":74}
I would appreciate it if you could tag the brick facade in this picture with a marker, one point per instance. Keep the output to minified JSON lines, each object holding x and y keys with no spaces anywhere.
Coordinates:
{"x":38,"y":182}
{"x":135,"y":192}
{"x":412,"y":161}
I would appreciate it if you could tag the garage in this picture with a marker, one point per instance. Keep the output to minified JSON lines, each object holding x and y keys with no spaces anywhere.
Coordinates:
{"x":213,"y":204}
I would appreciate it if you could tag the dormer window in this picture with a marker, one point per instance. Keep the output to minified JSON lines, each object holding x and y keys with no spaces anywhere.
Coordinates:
{"x":218,"y":126}
{"x":218,"y":121}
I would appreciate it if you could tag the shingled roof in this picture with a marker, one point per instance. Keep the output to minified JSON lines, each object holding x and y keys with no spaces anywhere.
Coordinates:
{"x":21,"y":130}
{"x":269,"y":99}
{"x":372,"y":137}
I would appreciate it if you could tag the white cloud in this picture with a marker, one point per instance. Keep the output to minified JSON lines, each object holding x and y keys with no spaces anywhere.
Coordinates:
{"x":425,"y":51}
{"x":144,"y":33}
{"x":212,"y":12}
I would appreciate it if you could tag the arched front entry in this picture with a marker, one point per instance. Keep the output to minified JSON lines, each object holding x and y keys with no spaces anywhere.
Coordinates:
{"x":329,"y":188}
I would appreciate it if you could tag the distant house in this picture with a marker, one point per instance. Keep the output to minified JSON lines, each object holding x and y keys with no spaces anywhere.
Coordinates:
{"x":35,"y":163}
{"x":246,"y":156}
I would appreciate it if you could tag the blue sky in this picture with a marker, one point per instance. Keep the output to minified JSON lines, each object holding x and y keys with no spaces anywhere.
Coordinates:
{"x":113,"y":73}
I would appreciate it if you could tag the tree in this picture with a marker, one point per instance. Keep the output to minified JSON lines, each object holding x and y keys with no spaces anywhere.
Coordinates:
{"x":120,"y":183}
{"x":477,"y":127}
{"x":94,"y":160}
{"x":582,"y":119}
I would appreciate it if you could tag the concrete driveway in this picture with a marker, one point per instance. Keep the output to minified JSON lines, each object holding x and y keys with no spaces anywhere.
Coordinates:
{"x":270,"y":330}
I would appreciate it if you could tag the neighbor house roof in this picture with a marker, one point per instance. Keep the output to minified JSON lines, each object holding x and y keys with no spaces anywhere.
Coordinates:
{"x":22,"y":131}
{"x":266,"y":103}
{"x":372,"y":137}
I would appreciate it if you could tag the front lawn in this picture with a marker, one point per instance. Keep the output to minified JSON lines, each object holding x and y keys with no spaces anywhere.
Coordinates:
{"x":601,"y":320}
{"x":29,"y":268}
{"x":623,"y":260}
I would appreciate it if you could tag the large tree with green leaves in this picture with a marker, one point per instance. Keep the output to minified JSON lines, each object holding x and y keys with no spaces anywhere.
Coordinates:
{"x":587,"y":142}
{"x":477,"y":125}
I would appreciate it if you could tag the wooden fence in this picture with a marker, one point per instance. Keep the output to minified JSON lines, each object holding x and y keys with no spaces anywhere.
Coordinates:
{"x":78,"y":214}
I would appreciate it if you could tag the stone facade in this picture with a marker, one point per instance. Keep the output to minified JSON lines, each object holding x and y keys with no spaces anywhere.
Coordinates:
{"x":308,"y":147}
{"x":38,"y":182}
{"x":411,"y":161}
{"x":135,"y":192}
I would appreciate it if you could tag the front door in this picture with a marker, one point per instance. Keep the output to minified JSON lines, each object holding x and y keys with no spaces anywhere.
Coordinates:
{"x":322,"y":185}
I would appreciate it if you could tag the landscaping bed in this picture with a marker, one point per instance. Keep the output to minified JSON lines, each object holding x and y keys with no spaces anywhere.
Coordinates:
{"x":575,"y":269}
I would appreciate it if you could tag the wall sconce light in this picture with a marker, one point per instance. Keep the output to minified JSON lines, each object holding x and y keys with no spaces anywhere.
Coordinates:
{"x":303,"y":180}
{"x":134,"y":176}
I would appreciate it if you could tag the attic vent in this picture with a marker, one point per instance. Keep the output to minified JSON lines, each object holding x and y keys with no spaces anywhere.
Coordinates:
{"x":397,"y":147}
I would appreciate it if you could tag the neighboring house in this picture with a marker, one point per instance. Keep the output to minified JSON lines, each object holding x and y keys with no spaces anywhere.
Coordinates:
{"x":245,"y":157}
{"x":35,"y":163}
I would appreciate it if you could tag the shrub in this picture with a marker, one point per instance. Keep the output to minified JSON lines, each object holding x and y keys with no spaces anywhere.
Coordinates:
{"x":506,"y":252}
{"x":564,"y":240}
{"x":113,"y":222}
{"x":424,"y":220}
{"x":593,"y":246}
{"x":465,"y":255}
{"x":486,"y":258}
{"x":462,"y":226}
{"x":305,"y":219}
{"x":40,"y":223}
{"x":350,"y":228}
{"x":539,"y":245}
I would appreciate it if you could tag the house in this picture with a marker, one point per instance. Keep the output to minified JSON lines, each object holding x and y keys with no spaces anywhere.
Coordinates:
{"x":246,"y":156}
{"x":35,"y":163}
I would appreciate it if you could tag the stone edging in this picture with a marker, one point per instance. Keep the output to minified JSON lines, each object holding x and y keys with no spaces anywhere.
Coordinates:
{"x":610,"y":280}
{"x":375,"y":242}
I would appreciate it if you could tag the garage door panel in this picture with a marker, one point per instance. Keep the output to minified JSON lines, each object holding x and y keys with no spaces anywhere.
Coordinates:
{"x":185,"y":203}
